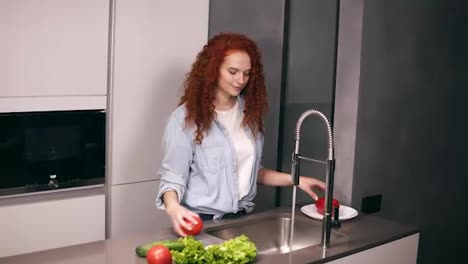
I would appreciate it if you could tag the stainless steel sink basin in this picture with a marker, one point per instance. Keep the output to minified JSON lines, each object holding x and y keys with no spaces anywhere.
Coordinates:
{"x":270,"y":233}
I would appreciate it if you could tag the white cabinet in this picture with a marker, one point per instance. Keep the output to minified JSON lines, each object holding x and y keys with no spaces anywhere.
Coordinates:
{"x":133,"y":210}
{"x":51,"y":224}
{"x":51,"y":103}
{"x":156,"y":43}
{"x":402,"y":251}
{"x":53,"y":48}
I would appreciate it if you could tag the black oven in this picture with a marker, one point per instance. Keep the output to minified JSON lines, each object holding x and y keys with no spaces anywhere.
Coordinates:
{"x":42,"y":151}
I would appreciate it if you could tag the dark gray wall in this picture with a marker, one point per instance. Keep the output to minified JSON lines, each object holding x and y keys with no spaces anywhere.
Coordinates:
{"x":309,"y":76}
{"x":411,"y":122}
{"x":308,"y":72}
{"x":263,"y":21}
{"x":347,"y":96}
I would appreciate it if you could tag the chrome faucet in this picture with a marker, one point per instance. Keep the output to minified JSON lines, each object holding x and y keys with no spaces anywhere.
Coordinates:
{"x":330,"y":163}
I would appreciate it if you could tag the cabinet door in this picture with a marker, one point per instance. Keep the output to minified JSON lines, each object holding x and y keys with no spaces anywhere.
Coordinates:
{"x":402,"y":251}
{"x":133,"y":210}
{"x":53,"y":47}
{"x":44,"y":225}
{"x":156,"y":43}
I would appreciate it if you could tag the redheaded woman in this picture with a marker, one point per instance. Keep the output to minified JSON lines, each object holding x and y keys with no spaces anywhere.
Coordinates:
{"x":213,"y":142}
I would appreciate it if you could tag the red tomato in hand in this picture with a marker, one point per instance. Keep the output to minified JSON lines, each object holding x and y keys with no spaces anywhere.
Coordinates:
{"x":159,"y":254}
{"x":320,"y":205}
{"x":195,"y":228}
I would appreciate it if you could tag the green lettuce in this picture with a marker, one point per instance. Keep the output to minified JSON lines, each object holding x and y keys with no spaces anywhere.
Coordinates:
{"x":193,"y":252}
{"x":239,"y":250}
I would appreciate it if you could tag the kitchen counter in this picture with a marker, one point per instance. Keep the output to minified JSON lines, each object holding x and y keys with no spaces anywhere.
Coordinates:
{"x":359,"y":234}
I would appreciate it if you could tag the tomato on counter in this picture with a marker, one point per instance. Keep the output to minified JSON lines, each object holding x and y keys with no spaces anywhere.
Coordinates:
{"x":195,"y":228}
{"x":320,"y":205}
{"x":159,"y":254}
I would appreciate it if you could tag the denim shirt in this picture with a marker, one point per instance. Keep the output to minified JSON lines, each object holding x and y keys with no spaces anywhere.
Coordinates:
{"x":205,"y":175}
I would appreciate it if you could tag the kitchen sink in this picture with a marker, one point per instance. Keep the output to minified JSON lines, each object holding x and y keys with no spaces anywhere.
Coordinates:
{"x":270,"y":233}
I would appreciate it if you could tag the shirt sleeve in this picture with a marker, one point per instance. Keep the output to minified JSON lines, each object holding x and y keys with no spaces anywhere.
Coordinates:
{"x":261,"y":141}
{"x":177,"y":155}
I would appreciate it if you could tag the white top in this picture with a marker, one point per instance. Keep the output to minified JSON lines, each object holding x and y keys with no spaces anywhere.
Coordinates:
{"x":231,"y":120}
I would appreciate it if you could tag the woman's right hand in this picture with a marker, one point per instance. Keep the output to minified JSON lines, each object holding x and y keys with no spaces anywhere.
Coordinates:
{"x":179,"y":215}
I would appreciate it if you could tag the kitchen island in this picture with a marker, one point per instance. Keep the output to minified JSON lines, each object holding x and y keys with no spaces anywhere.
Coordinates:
{"x":365,"y":239}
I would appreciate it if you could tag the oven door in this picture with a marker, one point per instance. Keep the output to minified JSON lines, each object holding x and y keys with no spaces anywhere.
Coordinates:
{"x":44,"y":151}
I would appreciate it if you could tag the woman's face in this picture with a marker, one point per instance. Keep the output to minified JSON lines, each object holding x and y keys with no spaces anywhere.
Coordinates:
{"x":234,"y":73}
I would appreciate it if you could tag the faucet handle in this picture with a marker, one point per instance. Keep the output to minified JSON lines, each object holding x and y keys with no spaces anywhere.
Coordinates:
{"x":336,"y":223}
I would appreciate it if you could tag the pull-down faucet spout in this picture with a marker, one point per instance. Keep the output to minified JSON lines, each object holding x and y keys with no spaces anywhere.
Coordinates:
{"x":330,"y":162}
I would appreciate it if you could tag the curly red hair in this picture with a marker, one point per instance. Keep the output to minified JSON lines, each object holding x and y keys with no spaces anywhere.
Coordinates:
{"x":202,"y":81}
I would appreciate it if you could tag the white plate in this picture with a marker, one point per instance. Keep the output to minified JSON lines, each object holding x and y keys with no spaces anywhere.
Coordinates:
{"x":345,"y":212}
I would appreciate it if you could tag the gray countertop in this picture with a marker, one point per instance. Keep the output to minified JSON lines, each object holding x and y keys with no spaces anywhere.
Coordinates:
{"x":361,"y":233}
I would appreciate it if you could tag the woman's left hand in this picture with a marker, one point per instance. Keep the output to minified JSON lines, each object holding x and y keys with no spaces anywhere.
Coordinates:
{"x":307,"y":184}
